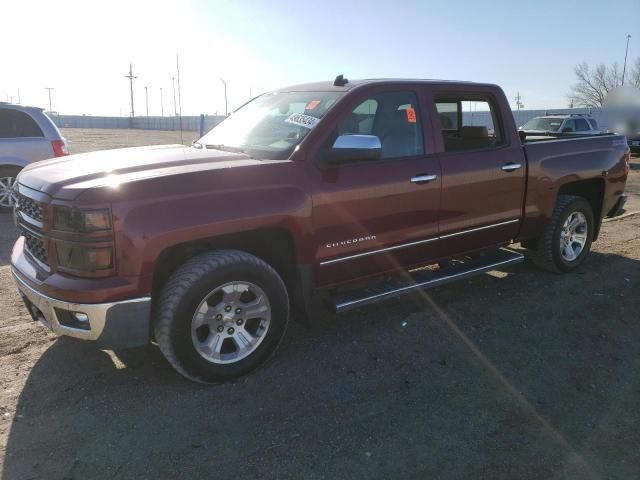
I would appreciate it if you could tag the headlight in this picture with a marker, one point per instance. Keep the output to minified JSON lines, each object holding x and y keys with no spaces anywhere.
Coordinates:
{"x":80,"y":257}
{"x":74,"y":220}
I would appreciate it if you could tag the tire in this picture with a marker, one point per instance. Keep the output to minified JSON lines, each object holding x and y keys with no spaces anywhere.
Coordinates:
{"x":548,"y":252}
{"x":7,"y":177}
{"x":199,"y":293}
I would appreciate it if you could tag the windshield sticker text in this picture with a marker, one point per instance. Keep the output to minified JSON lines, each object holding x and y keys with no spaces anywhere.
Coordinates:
{"x":302,"y":120}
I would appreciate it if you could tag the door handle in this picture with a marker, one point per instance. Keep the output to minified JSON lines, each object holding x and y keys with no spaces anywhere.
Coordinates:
{"x":422,"y":179}
{"x":510,"y":167}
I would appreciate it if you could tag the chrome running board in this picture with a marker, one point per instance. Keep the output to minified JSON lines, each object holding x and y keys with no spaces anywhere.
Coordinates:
{"x":458,"y":269}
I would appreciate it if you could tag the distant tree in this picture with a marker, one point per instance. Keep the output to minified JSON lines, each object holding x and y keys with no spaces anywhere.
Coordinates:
{"x":593,"y":84}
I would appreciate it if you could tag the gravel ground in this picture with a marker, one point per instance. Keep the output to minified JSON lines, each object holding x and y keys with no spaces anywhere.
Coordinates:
{"x":516,"y":374}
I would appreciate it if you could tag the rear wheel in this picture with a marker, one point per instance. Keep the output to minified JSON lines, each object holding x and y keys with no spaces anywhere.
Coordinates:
{"x":567,"y":239}
{"x":7,"y":179}
{"x":221,"y":315}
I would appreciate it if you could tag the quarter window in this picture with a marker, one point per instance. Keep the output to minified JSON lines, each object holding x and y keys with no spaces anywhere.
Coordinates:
{"x":469,"y":124}
{"x":582,"y":125}
{"x":17,"y":124}
{"x":393,"y":117}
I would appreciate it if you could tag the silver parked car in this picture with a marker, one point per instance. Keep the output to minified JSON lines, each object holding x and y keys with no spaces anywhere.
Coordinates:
{"x":569,"y":124}
{"x":27,"y":135}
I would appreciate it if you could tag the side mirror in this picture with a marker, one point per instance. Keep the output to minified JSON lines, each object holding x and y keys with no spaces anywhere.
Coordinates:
{"x":567,"y":130}
{"x":356,"y":148}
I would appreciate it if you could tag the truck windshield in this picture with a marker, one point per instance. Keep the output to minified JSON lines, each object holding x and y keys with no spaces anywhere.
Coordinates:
{"x":543,"y":123}
{"x":272,"y":125}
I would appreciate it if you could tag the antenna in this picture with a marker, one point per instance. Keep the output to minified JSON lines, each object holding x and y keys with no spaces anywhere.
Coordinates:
{"x":340,"y":81}
{"x":179,"y":97}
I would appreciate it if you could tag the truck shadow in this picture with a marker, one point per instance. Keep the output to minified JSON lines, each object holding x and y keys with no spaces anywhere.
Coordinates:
{"x":527,"y":374}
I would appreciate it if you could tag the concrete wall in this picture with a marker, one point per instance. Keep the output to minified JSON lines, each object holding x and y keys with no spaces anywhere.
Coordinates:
{"x":189,"y":124}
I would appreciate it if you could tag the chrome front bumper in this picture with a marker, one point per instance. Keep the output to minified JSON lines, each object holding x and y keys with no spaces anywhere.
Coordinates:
{"x":111,"y":325}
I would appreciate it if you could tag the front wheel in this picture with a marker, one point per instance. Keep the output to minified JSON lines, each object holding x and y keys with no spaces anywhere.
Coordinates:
{"x":221,"y":315}
{"x":7,"y":197}
{"x":567,"y":238}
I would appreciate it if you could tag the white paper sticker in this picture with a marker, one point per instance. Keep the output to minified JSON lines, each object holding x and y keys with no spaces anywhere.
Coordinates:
{"x":302,"y":120}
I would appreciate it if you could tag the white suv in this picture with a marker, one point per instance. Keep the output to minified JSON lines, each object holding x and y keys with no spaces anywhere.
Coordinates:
{"x":26,"y":135}
{"x":573,"y":124}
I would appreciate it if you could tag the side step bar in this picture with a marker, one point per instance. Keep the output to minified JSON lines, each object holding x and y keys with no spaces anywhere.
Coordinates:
{"x":342,"y":301}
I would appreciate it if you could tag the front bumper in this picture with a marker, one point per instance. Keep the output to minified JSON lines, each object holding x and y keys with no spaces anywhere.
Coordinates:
{"x":114,"y":325}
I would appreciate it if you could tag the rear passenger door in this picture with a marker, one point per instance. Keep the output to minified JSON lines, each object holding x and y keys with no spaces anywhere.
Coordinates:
{"x":21,"y":139}
{"x":483,"y":172}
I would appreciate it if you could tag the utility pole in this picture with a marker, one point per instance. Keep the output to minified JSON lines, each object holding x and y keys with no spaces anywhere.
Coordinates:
{"x":49,"y":89}
{"x":161,"y":105}
{"x":519,"y":104}
{"x":175,"y":105}
{"x":146,"y":99}
{"x":131,"y":77}
{"x":624,"y":69}
{"x":226,"y":109}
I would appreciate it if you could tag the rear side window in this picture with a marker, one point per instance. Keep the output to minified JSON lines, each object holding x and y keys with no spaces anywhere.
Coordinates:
{"x":391,"y":116}
{"x":593,"y":123}
{"x":17,"y":124}
{"x":582,"y":125}
{"x":569,"y":126}
{"x":469,"y":124}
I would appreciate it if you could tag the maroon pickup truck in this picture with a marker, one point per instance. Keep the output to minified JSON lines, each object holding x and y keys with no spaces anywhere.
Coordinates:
{"x":315,"y":189}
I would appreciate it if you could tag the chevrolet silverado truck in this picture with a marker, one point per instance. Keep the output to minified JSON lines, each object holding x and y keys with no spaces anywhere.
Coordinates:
{"x":351,"y":191}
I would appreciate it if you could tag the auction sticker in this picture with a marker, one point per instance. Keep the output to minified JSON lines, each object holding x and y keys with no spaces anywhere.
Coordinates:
{"x":302,"y":120}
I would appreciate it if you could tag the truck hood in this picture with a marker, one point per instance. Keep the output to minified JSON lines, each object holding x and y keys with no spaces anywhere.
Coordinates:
{"x":66,"y":177}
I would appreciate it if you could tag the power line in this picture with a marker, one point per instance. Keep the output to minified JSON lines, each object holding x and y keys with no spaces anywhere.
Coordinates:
{"x":131,"y":78}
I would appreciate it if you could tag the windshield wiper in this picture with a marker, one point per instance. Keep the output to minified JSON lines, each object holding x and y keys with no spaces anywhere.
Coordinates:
{"x":225,"y":148}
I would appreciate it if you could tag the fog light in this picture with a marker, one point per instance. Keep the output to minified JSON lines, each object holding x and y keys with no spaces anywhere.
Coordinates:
{"x":81,"y":317}
{"x":79,"y":320}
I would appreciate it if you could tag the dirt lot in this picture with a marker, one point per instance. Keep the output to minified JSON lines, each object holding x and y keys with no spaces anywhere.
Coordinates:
{"x":518,"y":374}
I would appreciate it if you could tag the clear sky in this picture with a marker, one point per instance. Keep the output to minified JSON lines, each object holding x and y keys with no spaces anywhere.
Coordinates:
{"x":83,"y":48}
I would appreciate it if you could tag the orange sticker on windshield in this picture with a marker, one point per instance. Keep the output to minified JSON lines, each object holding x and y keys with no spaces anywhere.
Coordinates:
{"x":411,"y":115}
{"x":312,"y":104}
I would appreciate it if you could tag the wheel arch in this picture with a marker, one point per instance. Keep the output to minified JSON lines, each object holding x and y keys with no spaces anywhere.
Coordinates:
{"x":273,"y":245}
{"x":591,"y":190}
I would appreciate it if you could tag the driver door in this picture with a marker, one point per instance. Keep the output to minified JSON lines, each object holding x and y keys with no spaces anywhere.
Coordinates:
{"x":378,"y":215}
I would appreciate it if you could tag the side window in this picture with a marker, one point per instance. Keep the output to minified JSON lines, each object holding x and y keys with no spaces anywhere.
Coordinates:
{"x":594,"y":124}
{"x":582,"y":125}
{"x":469,"y":124}
{"x":16,"y":124}
{"x":571,"y":123}
{"x":391,"y":116}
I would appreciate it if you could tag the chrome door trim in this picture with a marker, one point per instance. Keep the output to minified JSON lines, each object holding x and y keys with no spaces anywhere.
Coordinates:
{"x":412,"y":244}
{"x":494,"y":225}
{"x":381,"y":250}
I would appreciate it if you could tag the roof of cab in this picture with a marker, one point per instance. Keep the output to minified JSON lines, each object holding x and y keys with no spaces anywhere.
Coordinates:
{"x":351,"y":84}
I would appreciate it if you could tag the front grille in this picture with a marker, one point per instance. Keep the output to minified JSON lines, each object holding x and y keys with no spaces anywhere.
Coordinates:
{"x":36,"y":247}
{"x":30,"y":207}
